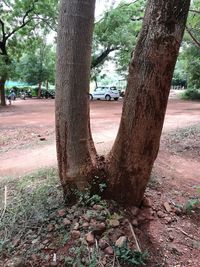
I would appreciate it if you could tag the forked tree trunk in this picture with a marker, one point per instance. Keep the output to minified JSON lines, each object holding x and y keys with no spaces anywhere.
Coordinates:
{"x":150,"y":73}
{"x":75,"y":150}
{"x":2,"y":91}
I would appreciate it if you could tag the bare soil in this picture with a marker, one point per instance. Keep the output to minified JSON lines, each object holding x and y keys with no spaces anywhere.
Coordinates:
{"x":172,"y":237}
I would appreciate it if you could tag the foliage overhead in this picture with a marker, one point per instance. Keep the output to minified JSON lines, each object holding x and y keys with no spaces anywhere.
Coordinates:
{"x":117,"y":32}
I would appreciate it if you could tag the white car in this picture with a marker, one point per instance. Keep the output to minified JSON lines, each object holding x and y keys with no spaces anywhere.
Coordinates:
{"x":105,"y":93}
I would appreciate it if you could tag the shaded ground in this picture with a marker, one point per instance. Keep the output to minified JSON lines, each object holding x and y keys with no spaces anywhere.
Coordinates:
{"x":168,"y":226}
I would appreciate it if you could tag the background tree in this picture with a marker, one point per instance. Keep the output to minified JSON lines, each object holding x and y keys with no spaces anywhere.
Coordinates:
{"x":21,"y":19}
{"x":188,"y":65}
{"x":130,"y":161}
{"x":37,"y":65}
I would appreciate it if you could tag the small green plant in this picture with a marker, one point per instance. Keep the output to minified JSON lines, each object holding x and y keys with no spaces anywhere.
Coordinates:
{"x":92,"y":194}
{"x":126,"y":256}
{"x":192,"y":203}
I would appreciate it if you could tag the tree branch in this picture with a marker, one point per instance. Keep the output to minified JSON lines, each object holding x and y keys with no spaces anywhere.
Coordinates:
{"x":101,"y":58}
{"x":193,"y":38}
{"x":46,"y":22}
{"x":24,"y":21}
{"x":195,"y":11}
{"x":3,"y":28}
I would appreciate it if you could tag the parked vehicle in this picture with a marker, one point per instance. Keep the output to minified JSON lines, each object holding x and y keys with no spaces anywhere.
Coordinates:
{"x":22,"y":95}
{"x":48,"y":94}
{"x":29,"y":94}
{"x":105,"y":93}
{"x":122,"y":93}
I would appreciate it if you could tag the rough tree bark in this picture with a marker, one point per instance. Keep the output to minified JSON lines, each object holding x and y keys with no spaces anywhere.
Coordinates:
{"x":75,"y":149}
{"x":130,"y":161}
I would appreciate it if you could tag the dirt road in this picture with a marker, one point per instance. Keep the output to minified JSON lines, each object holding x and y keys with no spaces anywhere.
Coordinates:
{"x":27,"y":131}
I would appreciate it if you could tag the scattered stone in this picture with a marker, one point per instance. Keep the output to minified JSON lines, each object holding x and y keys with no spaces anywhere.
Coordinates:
{"x":90,"y":238}
{"x":135,"y":222}
{"x":62,"y":212}
{"x":141,"y":218}
{"x":46,"y":241}
{"x":53,"y":264}
{"x":98,"y":207}
{"x":103,"y":244}
{"x":75,"y":234}
{"x":146,"y":202}
{"x":16,"y":242}
{"x":42,"y":139}
{"x":160,"y":214}
{"x":15,"y":262}
{"x":34,"y":257}
{"x":50,"y":227}
{"x":86,"y":218}
{"x":175,"y":250}
{"x":101,"y":227}
{"x":121,"y":241}
{"x":135,"y":211}
{"x":178,"y":211}
{"x":171,"y":237}
{"x":114,"y":223}
{"x":76,"y":226}
{"x":93,"y":222}
{"x":100,"y":218}
{"x":168,"y":220}
{"x":109,"y":250}
{"x":66,"y":222}
{"x":34,"y":241}
{"x":77,"y":214}
{"x":85,"y":225}
{"x":41,"y":246}
{"x":167,"y":207}
{"x":195,"y":244}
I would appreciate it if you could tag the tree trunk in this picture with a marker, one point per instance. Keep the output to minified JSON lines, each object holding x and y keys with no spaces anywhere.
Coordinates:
{"x":150,"y":73}
{"x":75,"y":149}
{"x":47,"y":85}
{"x":2,"y":91}
{"x":39,"y":89}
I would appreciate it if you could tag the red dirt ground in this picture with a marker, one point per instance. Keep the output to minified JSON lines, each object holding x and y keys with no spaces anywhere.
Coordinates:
{"x":174,"y":239}
{"x":25,"y":122}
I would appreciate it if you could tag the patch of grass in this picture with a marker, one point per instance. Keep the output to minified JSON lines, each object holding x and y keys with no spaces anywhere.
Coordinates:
{"x":191,"y":205}
{"x":153,"y":181}
{"x":29,"y":203}
{"x":184,"y":140}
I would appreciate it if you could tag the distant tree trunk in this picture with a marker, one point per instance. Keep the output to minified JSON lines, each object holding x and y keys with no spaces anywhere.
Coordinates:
{"x":2,"y":91}
{"x":39,"y":89}
{"x":47,"y":85}
{"x":95,"y":80}
{"x":75,"y":149}
{"x":150,"y":73}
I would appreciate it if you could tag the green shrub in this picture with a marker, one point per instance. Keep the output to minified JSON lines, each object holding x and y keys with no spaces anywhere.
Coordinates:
{"x":192,"y":94}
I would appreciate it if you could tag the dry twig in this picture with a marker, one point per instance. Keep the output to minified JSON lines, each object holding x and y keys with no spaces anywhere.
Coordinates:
{"x":135,"y":238}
